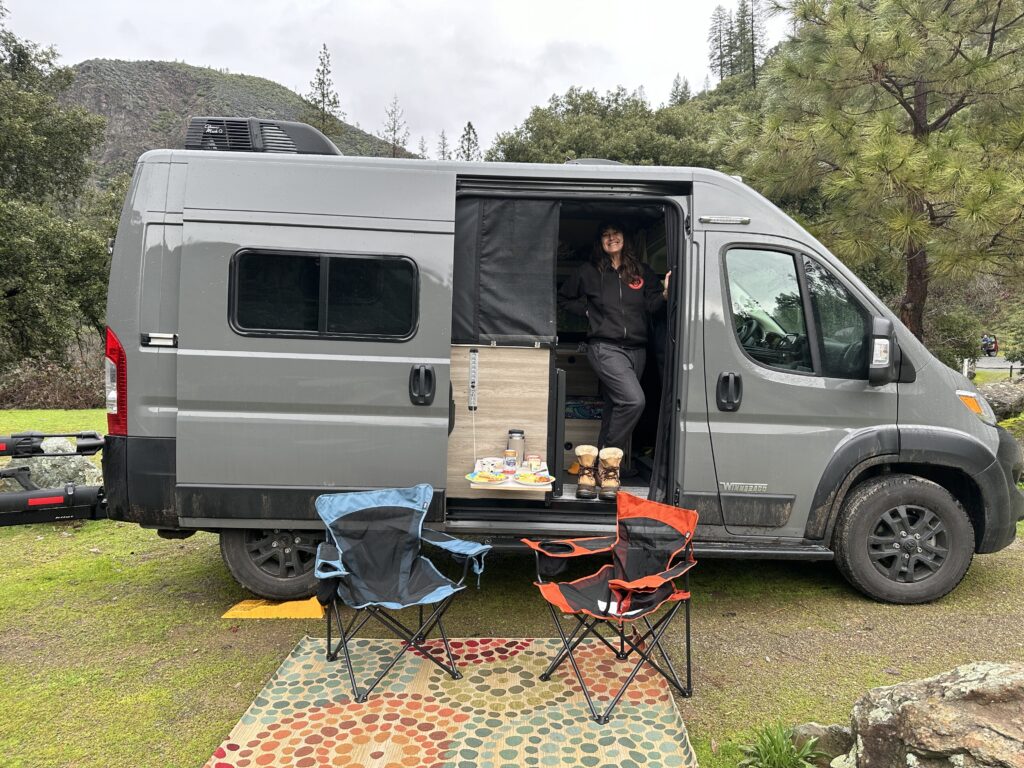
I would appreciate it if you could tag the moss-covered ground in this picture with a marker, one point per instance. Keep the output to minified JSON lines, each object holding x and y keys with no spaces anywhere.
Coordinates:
{"x":113,"y":652}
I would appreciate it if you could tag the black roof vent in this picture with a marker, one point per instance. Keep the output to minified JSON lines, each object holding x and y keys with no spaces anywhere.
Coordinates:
{"x":241,"y":134}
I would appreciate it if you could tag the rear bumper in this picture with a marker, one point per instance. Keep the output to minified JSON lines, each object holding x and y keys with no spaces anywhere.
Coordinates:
{"x":138,"y":479}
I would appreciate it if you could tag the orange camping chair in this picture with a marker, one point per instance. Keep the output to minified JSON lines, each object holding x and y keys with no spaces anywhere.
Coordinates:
{"x":652,"y":548}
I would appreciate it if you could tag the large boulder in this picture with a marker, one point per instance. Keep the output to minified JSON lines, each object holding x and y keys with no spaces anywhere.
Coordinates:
{"x":970,"y":717}
{"x":61,"y":470}
{"x":1005,"y":397}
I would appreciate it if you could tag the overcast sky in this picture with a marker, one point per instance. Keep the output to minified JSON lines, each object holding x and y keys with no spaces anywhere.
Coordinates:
{"x":449,"y":62}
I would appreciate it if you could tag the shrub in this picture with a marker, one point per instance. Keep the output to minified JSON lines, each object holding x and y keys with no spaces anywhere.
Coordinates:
{"x":773,"y":747}
{"x":41,"y":384}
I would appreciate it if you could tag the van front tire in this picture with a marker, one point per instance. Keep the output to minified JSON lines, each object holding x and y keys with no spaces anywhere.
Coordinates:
{"x":903,"y":539}
{"x":273,"y":564}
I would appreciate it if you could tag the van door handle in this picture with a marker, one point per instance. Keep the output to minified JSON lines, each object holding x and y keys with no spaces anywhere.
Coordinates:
{"x":729,"y":391}
{"x":421,"y":384}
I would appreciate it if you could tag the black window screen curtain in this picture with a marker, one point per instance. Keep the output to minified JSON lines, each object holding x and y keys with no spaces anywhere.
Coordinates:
{"x":504,"y":283}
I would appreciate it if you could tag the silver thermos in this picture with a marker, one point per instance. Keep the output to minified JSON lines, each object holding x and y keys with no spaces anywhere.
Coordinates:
{"x":517,"y":443}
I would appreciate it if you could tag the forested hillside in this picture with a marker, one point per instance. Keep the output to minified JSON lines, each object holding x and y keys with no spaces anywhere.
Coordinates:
{"x":147,"y":105}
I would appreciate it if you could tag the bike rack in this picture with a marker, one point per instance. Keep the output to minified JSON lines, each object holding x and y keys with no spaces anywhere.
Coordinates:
{"x":32,"y":504}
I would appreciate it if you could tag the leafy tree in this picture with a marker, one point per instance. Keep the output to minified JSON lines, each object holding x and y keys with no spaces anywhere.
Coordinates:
{"x":904,"y":116}
{"x":50,"y":254}
{"x":322,"y":95}
{"x":395,"y":131}
{"x":680,"y":93}
{"x":617,"y":125}
{"x":1011,"y":341}
{"x":469,"y":145}
{"x":582,"y":123}
{"x":444,"y":152}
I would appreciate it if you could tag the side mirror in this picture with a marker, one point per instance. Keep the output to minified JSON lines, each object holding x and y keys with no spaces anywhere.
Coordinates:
{"x":883,"y":363}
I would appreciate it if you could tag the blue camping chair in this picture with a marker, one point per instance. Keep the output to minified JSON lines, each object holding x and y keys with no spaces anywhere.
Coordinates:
{"x":371,"y":561}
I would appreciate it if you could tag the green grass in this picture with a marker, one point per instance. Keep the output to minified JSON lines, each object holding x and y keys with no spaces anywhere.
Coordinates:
{"x":113,"y":652}
{"x":53,"y":421}
{"x":991,"y":377}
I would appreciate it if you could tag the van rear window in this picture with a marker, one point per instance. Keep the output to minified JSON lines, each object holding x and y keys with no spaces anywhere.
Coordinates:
{"x":329,"y":295}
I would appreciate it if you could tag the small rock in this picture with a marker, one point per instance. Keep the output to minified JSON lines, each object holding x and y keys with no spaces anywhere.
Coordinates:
{"x":892,"y":671}
{"x":95,"y":550}
{"x":833,"y":740}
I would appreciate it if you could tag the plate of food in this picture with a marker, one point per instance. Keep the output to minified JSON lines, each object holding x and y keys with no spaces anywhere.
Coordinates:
{"x":533,"y":478}
{"x":484,"y":477}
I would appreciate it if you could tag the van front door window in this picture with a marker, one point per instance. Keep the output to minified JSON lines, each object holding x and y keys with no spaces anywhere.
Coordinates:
{"x":767,"y":308}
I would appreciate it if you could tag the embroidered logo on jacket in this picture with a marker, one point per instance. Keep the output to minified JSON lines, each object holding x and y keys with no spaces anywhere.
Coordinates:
{"x":637,"y":284}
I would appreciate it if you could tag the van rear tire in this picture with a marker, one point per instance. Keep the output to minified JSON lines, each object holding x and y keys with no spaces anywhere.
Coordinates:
{"x":903,"y":539}
{"x":273,"y":564}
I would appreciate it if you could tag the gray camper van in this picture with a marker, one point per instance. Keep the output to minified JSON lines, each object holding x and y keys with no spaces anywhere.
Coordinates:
{"x":286,"y":322}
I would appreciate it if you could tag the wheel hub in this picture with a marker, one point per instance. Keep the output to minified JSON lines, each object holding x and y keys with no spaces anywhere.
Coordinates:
{"x":908,"y":544}
{"x":280,"y":553}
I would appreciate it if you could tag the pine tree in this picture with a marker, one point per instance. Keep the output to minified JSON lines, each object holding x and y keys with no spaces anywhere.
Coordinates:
{"x":718,"y":42}
{"x":469,"y":146}
{"x":322,"y":95}
{"x":680,"y":93}
{"x":741,"y":36}
{"x":749,"y":39}
{"x":424,"y":154}
{"x":905,"y":120}
{"x":444,"y":152}
{"x":395,"y":131}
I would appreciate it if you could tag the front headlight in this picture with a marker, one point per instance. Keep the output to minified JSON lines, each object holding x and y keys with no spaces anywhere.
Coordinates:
{"x":977,"y":405}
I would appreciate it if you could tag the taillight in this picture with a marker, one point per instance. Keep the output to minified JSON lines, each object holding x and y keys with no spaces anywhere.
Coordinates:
{"x":116,"y":382}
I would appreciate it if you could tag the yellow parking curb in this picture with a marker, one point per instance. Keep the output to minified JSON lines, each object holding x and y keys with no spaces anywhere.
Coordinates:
{"x":267,"y":609}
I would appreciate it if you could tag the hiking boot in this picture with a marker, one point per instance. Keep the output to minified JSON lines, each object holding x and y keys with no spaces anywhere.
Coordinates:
{"x":586,"y":482}
{"x":611,"y":458}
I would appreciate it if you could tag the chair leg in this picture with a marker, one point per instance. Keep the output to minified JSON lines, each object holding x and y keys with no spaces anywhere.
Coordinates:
{"x":588,"y":628}
{"x":572,"y":660}
{"x":412,"y":638}
{"x":654,"y":633}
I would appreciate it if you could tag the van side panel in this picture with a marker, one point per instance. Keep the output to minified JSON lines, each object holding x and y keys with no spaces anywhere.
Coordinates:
{"x":261,"y":415}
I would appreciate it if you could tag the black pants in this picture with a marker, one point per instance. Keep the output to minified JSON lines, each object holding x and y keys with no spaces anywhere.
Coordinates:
{"x":619,"y":370}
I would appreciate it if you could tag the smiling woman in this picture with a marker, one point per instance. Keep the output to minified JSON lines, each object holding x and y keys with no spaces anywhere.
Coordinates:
{"x":618,"y":294}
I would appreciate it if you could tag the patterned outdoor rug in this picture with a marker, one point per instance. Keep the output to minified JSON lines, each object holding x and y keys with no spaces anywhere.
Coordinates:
{"x":500,"y":715}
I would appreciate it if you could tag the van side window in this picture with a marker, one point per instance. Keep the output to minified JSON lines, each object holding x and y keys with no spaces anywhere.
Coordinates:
{"x":363,"y":297}
{"x":767,"y":309}
{"x":277,"y":292}
{"x":843,"y":324}
{"x":371,"y":296}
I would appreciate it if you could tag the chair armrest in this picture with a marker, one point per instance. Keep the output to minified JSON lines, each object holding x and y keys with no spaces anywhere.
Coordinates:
{"x":468,"y":551}
{"x":553,"y":555}
{"x":589,"y":545}
{"x":655,"y":580}
{"x":328,"y":562}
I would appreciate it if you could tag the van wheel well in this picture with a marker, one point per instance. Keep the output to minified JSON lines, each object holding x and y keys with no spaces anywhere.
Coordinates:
{"x":956,"y":481}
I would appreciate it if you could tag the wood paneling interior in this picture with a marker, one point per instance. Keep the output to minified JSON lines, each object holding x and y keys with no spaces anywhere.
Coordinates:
{"x":512,"y":392}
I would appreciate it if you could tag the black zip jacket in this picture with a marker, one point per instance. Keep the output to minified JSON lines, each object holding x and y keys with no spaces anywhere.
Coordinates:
{"x":617,"y":312}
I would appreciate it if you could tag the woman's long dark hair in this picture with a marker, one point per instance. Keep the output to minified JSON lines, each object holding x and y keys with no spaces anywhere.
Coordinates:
{"x":630,"y":269}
